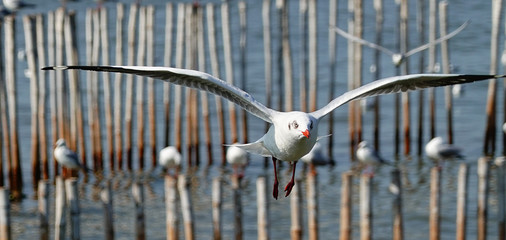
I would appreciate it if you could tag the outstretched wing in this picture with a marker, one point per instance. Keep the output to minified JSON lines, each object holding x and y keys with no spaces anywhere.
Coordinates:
{"x":362,"y":41}
{"x":189,"y":78}
{"x":400,"y":84}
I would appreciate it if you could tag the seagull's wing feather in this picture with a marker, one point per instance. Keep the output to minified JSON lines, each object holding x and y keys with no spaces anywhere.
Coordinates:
{"x":192,"y":79}
{"x":437,"y":41}
{"x":362,"y":41}
{"x":399,"y":84}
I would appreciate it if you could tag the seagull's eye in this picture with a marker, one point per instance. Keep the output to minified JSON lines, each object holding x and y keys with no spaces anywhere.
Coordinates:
{"x":295,"y":124}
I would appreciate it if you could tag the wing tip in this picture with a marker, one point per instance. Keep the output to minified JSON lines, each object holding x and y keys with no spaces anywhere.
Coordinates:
{"x":54,"y":68}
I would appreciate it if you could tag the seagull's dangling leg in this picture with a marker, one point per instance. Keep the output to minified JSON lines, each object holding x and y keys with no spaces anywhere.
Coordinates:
{"x":275,"y":187}
{"x":290,"y":184}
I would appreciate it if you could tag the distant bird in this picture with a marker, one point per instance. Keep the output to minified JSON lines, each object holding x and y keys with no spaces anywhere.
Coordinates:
{"x":317,"y":157}
{"x":398,"y":58}
{"x":15,"y":5}
{"x":504,"y":127}
{"x":169,"y":158}
{"x":367,"y":155}
{"x":67,"y":157}
{"x":438,"y":150}
{"x":238,"y":159}
{"x":292,"y":134}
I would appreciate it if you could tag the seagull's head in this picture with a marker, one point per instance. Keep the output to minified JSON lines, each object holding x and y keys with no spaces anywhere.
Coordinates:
{"x":363,"y":144}
{"x":61,"y":142}
{"x":299,"y":125}
{"x":397,"y":59}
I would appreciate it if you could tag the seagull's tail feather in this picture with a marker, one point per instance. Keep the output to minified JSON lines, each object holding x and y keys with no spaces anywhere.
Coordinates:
{"x":256,"y":148}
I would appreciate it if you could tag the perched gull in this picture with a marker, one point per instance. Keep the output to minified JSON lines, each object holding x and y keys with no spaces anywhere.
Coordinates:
{"x":317,"y":157}
{"x":292,"y":134}
{"x":67,"y":157}
{"x":397,"y":58}
{"x":14,"y":5}
{"x":169,"y":158}
{"x":368,"y":156}
{"x":438,"y":150}
{"x":238,"y":159}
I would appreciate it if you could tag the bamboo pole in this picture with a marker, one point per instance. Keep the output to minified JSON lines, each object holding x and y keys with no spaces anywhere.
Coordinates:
{"x":287,"y":58}
{"x":483,"y":185}
{"x":312,"y":205}
{"x":420,"y":27}
{"x":332,"y":69}
{"x":140,"y":222}
{"x":41,"y":85}
{"x":435,"y":203}
{"x":203,"y":94}
{"x":61,"y":104}
{"x":96,"y":123}
{"x":216,"y":206}
{"x":195,"y":145}
{"x":490,"y":128}
{"x":404,"y":46}
{"x":16,"y":186}
{"x":280,"y":77}
{"x":358,"y":15}
{"x":266,"y":32}
{"x":179,"y":63}
{"x":243,"y":47}
{"x":445,"y":61}
{"x":462,"y":202}
{"x":30,"y":55}
{"x":171,"y":206}
{"x":106,"y":197}
{"x":73,"y":202}
{"x":43,"y":208}
{"x":104,"y":37}
{"x":213,"y":57}
{"x":263,"y":209}
{"x":431,"y":63}
{"x":296,"y":213}
{"x":396,"y":190}
{"x":150,"y":58}
{"x":190,"y":64}
{"x":139,"y":89}
{"x":378,"y":7}
{"x":501,"y":201}
{"x":351,"y":106}
{"x":186,"y":207}
{"x":4,"y":123}
{"x":236,"y":196}
{"x":167,"y":61}
{"x":60,"y":209}
{"x":5,"y":216}
{"x":365,"y":207}
{"x":118,"y":87}
{"x":313,"y":57}
{"x":346,"y":206}
{"x":129,"y":85}
{"x":304,"y":54}
{"x":229,"y":73}
{"x":52,"y":83}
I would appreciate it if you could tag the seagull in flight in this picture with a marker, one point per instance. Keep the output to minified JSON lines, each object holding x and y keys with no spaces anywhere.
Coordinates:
{"x":291,"y":134}
{"x":398,"y":58}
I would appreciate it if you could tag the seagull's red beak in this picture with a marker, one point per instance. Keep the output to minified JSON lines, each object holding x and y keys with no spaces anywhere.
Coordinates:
{"x":306,"y":133}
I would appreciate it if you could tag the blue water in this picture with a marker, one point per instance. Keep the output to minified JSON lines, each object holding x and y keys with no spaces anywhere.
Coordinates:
{"x":470,"y":52}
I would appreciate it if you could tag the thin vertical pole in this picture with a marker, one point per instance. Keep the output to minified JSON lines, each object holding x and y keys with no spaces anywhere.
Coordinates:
{"x":140,"y":223}
{"x":332,"y":68}
{"x":483,"y":175}
{"x":60,"y":209}
{"x":312,"y":205}
{"x":104,"y":37}
{"x":150,"y":58}
{"x":129,"y":85}
{"x":266,"y":30}
{"x":141,"y":55}
{"x":462,"y":202}
{"x":4,"y":123}
{"x":435,"y":203}
{"x":167,"y":62}
{"x":358,"y":15}
{"x":346,"y":206}
{"x":5,"y":216}
{"x":171,"y":206}
{"x":378,"y":7}
{"x":420,"y":26}
{"x":263,"y":209}
{"x":501,"y":201}
{"x":396,"y":189}
{"x":118,"y":87}
{"x":351,"y":85}
{"x":73,"y":202}
{"x":43,"y":208}
{"x":365,"y":207}
{"x":179,"y":63}
{"x":304,"y":55}
{"x":445,"y":60}
{"x":431,"y":64}
{"x":287,"y":58}
{"x":243,"y":46}
{"x":186,"y":207}
{"x":237,"y":192}
{"x":296,"y":213}
{"x":405,"y":70}
{"x":106,"y":198}
{"x":216,"y":205}
{"x":313,"y":57}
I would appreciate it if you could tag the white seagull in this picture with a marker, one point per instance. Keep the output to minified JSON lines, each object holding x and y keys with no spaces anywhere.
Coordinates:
{"x":370,"y":157}
{"x":169,"y":158}
{"x":292,"y":134}
{"x":66,"y":157}
{"x":397,"y":58}
{"x":238,"y":159}
{"x":438,"y":150}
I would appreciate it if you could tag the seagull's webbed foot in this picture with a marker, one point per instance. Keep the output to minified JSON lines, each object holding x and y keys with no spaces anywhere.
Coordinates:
{"x":289,"y":186}
{"x":276,"y":183}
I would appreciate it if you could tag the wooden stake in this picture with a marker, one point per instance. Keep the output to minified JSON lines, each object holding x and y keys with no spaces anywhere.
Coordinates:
{"x":263,"y":209}
{"x":501,"y":201}
{"x":346,"y":206}
{"x":365,"y":207}
{"x":140,"y":223}
{"x":358,"y":15}
{"x":73,"y":202}
{"x":296,"y":213}
{"x":129,"y":85}
{"x":435,"y":203}
{"x":236,"y":189}
{"x":312,"y":205}
{"x":378,"y":7}
{"x":150,"y":58}
{"x":287,"y":58}
{"x":167,"y":62}
{"x":186,"y":207}
{"x":462,"y":202}
{"x":106,"y":198}
{"x":420,"y":27}
{"x":43,"y":209}
{"x":445,"y":61}
{"x":216,"y":205}
{"x":179,"y":63}
{"x":171,"y":207}
{"x":351,"y":85}
{"x":483,"y":175}
{"x":118,"y":87}
{"x":313,"y":57}
{"x":141,"y":51}
{"x":60,"y":209}
{"x":5,"y":215}
{"x":404,"y":46}
{"x":431,"y":63}
{"x":332,"y":69}
{"x":266,"y":32}
{"x":396,"y":190}
{"x":242,"y":46}
{"x":5,"y":125}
